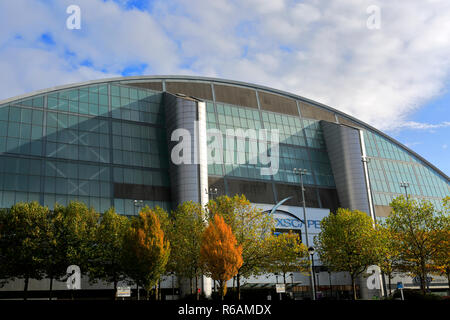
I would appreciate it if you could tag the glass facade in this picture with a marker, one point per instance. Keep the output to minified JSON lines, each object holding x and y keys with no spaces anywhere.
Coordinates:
{"x":77,"y":144}
{"x":389,"y":165}
{"x":106,"y":144}
{"x":301,"y":145}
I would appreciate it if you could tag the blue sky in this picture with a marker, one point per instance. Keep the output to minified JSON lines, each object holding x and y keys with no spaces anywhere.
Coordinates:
{"x":389,"y":67}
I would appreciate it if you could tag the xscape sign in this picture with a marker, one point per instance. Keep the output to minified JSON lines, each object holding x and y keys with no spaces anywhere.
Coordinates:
{"x":289,"y":223}
{"x":291,"y":218}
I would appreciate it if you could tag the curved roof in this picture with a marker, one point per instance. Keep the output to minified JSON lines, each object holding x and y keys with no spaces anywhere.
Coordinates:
{"x":226,"y":82}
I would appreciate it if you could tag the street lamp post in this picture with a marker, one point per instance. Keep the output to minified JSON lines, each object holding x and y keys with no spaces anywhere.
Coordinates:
{"x":211,"y":192}
{"x":138,"y":204}
{"x":313,"y":275}
{"x":292,"y":285}
{"x":331,"y":287}
{"x":301,"y":173}
{"x":173,"y":285}
{"x":405,"y":185}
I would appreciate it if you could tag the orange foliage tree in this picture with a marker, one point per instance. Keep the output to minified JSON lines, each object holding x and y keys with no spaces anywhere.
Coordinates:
{"x":146,"y":250}
{"x":220,"y":254}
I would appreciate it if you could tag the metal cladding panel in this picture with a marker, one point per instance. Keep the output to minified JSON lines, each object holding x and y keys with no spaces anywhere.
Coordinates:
{"x":195,"y":89}
{"x":314,"y":112}
{"x":277,"y":103}
{"x":189,"y":179}
{"x":235,"y":95}
{"x":344,"y":150}
{"x":153,"y":85}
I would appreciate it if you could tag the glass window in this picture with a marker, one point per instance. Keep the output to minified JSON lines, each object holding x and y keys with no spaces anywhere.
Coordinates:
{"x":14,"y":114}
{"x":84,"y":108}
{"x":13,"y":129}
{"x":37,"y":117}
{"x":4,"y":112}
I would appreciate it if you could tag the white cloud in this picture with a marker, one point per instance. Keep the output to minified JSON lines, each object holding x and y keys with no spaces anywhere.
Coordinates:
{"x":318,"y":49}
{"x":412,"y":144}
{"x":110,"y":40}
{"x":423,"y":126}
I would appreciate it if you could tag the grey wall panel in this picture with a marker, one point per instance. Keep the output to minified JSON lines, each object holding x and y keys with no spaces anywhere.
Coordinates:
{"x":188,"y":180}
{"x":344,"y":149}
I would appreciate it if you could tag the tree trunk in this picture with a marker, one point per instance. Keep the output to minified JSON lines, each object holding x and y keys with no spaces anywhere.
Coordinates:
{"x":234,"y":279}
{"x":25,"y":288}
{"x":159,"y":289}
{"x":353,"y":287}
{"x":422,"y":284}
{"x":423,"y":278}
{"x":448,"y":278}
{"x":222,"y":289}
{"x":197,"y":295}
{"x":238,"y":284}
{"x":51,"y":288}
{"x":115,"y":289}
{"x":390,"y":290}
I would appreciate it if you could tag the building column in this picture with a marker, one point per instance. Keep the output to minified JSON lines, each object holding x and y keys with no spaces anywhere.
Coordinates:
{"x":188,"y":168}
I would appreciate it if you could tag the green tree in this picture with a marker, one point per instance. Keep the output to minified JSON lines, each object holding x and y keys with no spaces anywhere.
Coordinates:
{"x":5,"y":265}
{"x":147,"y":250}
{"x":109,"y":248}
{"x":286,"y":254}
{"x":24,"y":234}
{"x":441,"y":257}
{"x":415,"y":226}
{"x":56,"y":263}
{"x":348,"y":242}
{"x":389,"y":260}
{"x":220,"y":254}
{"x":75,"y":227}
{"x":185,"y":238}
{"x":251,"y":228}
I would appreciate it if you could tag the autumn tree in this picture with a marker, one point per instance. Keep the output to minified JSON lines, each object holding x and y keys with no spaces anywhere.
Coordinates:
{"x":166,"y":225}
{"x":417,"y":228}
{"x":220,"y":253}
{"x":146,"y":250}
{"x":185,"y":237}
{"x":109,"y":248}
{"x":286,"y":254}
{"x":348,"y":242}
{"x":25,"y":231}
{"x":251,"y":228}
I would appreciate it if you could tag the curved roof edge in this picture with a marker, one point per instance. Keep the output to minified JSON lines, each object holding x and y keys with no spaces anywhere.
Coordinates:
{"x":229,"y":82}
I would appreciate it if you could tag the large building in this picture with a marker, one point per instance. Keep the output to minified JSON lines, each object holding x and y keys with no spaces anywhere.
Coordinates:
{"x":113,"y":142}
